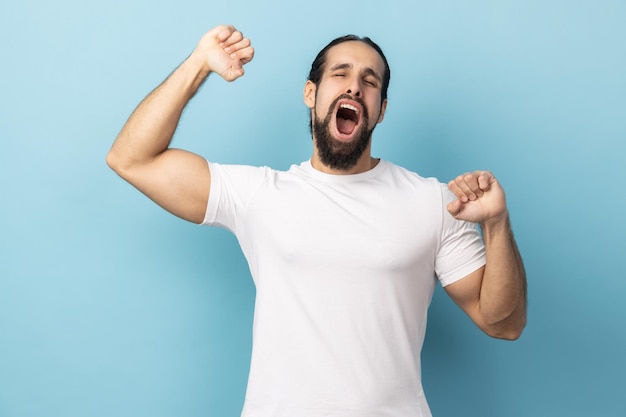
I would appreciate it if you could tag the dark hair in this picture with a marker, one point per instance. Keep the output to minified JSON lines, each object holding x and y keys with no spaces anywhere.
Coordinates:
{"x":317,"y":67}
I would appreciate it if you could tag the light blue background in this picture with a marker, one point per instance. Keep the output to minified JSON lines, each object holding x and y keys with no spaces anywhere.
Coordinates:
{"x":111,"y":307}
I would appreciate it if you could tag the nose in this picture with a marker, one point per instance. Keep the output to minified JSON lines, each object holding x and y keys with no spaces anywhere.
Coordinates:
{"x":354,"y":87}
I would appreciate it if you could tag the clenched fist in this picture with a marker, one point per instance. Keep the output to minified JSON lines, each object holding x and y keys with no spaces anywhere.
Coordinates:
{"x":225,"y":51}
{"x":480,"y":198}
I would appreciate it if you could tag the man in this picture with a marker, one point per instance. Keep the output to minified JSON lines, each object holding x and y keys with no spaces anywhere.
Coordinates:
{"x":345,"y":249}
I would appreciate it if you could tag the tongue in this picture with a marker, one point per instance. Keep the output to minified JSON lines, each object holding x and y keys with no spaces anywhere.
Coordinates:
{"x":345,"y":126}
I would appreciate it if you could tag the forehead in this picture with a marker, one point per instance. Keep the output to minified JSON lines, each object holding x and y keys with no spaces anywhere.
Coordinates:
{"x":358,"y":54}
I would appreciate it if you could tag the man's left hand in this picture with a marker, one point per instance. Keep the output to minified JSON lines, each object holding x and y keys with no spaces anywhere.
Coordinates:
{"x":479,"y":198}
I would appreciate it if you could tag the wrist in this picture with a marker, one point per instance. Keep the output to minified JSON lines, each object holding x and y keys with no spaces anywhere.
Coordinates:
{"x":199,"y":60}
{"x":195,"y":70}
{"x":496,"y":223}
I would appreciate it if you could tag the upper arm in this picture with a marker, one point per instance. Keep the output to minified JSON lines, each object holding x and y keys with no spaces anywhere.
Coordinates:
{"x":177,"y":180}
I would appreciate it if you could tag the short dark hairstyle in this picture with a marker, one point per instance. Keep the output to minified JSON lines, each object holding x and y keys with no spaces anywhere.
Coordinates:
{"x":317,"y":67}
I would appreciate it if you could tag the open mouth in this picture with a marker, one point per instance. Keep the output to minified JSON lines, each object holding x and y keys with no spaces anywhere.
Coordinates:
{"x":347,"y":118}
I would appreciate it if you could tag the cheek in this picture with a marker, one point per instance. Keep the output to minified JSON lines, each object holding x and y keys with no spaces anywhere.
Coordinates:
{"x":375,"y":110}
{"x":322,"y":106}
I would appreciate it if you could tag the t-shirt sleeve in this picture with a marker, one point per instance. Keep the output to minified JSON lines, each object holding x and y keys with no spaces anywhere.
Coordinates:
{"x":232,"y":187}
{"x":462,"y":248}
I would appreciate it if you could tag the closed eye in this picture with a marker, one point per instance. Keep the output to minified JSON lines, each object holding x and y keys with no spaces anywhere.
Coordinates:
{"x":371,"y":83}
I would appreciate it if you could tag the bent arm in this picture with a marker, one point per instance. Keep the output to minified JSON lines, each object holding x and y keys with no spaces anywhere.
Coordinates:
{"x":494,"y":296}
{"x":177,"y":180}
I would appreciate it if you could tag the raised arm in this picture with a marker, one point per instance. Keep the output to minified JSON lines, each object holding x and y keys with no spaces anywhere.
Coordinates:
{"x":494,"y":296}
{"x":177,"y":180}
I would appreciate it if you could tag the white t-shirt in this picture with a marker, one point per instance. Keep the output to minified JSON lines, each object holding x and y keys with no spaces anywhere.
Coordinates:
{"x":345,"y":267}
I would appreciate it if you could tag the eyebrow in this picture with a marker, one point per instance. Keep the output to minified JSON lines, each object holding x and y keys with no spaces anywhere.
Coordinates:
{"x":367,"y":71}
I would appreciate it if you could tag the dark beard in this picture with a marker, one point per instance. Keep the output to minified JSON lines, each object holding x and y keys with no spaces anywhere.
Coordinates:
{"x":337,"y":154}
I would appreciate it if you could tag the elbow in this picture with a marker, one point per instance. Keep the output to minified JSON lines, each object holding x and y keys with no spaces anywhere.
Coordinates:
{"x":113,"y":160}
{"x":509,"y":330}
{"x":508,"y":335}
{"x":117,"y":162}
{"x":120,"y":157}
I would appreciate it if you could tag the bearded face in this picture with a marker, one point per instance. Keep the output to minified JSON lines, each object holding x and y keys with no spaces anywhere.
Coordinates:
{"x":342,"y":154}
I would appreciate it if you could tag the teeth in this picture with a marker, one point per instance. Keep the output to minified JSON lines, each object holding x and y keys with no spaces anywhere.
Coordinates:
{"x":349,"y":107}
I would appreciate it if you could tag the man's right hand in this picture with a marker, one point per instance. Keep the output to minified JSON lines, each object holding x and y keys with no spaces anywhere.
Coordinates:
{"x":225,"y":51}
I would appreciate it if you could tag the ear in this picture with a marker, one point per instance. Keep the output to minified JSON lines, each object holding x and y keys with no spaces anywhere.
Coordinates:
{"x":383,"y":108}
{"x":309,"y":94}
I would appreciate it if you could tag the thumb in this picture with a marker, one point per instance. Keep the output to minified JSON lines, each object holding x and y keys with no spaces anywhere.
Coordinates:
{"x":454,"y":207}
{"x":234,"y":73}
